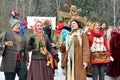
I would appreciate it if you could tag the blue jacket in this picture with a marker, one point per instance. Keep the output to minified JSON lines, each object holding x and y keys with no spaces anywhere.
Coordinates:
{"x":64,"y":33}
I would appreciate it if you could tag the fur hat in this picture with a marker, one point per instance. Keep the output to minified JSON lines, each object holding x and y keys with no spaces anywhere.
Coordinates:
{"x":13,"y":22}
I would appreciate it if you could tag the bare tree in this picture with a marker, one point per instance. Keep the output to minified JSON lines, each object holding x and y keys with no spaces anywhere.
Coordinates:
{"x":103,"y":9}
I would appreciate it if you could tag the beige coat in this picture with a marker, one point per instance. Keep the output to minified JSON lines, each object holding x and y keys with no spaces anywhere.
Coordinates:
{"x":81,"y":53}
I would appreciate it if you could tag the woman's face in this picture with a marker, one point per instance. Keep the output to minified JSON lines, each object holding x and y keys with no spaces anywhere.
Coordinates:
{"x":97,"y":26}
{"x":74,"y":25}
{"x":118,"y":27}
{"x":39,"y":26}
{"x":103,"y":26}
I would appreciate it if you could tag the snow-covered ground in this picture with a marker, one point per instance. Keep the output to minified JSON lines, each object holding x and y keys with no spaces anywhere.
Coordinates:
{"x":59,"y":73}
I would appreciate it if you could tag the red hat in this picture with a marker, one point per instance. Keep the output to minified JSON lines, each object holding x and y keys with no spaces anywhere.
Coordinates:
{"x":24,"y":23}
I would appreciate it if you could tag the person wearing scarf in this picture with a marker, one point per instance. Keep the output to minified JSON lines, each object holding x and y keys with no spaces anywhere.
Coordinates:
{"x":114,"y":67}
{"x":78,"y":54}
{"x":99,"y":51}
{"x":15,"y":57}
{"x":40,"y":46}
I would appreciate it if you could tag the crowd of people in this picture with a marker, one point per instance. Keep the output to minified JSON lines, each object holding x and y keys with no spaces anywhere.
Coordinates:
{"x":95,"y":46}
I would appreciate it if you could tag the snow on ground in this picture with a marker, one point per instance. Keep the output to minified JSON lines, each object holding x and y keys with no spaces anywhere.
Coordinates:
{"x":59,"y":73}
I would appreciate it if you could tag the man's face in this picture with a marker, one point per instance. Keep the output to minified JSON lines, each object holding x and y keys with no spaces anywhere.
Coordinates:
{"x":16,"y":17}
{"x":16,"y":27}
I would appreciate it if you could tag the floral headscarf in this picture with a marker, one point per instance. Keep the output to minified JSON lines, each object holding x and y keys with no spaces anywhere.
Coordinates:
{"x":39,"y":36}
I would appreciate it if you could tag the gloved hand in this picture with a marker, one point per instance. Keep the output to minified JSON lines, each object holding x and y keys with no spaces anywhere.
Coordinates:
{"x":56,"y":57}
{"x":32,"y":40}
{"x":31,"y":44}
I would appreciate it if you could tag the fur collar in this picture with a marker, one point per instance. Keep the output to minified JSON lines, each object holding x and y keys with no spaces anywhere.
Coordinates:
{"x":78,"y":33}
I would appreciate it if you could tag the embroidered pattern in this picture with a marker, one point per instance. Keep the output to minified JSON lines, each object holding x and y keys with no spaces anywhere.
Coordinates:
{"x":98,"y":45}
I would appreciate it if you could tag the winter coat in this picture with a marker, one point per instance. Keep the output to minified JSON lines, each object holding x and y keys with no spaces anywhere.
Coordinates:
{"x":114,"y":67}
{"x":9,"y":57}
{"x":78,"y":53}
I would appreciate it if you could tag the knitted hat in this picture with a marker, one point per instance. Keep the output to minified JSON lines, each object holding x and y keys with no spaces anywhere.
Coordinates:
{"x":15,"y":13}
{"x":61,"y":18}
{"x":24,"y":23}
{"x":13,"y":22}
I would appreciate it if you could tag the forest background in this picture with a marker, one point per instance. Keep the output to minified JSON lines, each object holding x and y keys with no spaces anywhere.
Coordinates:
{"x":103,"y":10}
